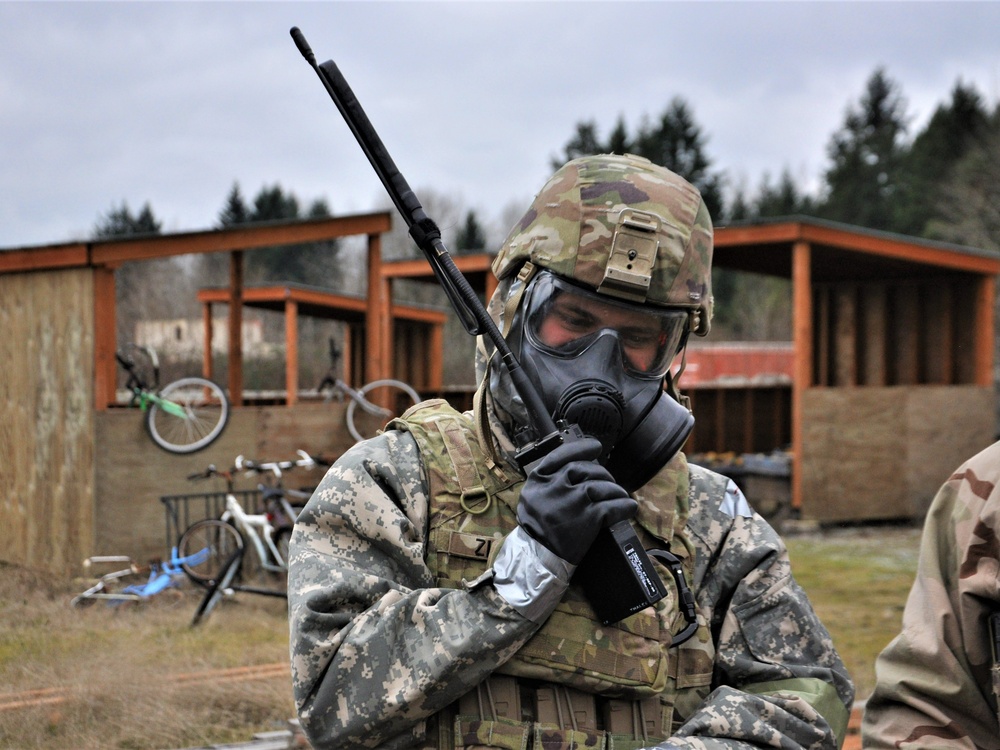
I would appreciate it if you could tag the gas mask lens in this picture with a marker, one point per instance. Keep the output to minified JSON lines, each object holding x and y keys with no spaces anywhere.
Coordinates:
{"x":564,"y":320}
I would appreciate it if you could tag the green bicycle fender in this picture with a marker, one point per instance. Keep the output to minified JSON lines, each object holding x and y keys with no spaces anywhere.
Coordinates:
{"x":822,"y":696}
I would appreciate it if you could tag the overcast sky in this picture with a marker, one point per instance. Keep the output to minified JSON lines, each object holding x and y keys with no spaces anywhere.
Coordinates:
{"x":171,"y":103}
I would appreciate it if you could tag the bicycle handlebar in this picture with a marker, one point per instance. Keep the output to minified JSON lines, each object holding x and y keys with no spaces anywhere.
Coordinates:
{"x":259,"y":467}
{"x":275,"y":467}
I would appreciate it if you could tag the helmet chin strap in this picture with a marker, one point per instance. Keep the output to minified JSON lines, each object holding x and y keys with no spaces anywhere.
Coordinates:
{"x":671,"y":381}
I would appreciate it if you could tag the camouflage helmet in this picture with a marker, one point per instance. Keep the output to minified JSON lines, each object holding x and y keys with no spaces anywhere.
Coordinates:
{"x":622,"y":226}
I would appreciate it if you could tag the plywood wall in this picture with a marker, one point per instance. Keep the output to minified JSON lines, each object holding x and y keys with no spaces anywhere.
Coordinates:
{"x":882,"y":453}
{"x":46,"y":418}
{"x":132,"y":473}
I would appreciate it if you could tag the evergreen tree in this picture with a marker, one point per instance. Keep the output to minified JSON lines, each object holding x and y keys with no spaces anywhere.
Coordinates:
{"x":471,"y":236}
{"x":313,"y":263}
{"x":273,"y":204}
{"x":968,"y":207}
{"x":676,"y":142}
{"x":863,"y":179}
{"x":235,"y":211}
{"x":783,"y":199}
{"x":120,"y":222}
{"x":948,"y":136}
{"x":619,"y":141}
{"x":583,"y":143}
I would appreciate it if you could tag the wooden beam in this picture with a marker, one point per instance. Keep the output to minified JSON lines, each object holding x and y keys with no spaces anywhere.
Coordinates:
{"x":898,"y":247}
{"x":291,"y":352}
{"x":236,"y":327}
{"x":354,"y":308}
{"x":244,"y":237}
{"x":802,"y":332}
{"x":105,"y":338}
{"x":73,"y":255}
{"x":856,"y":239}
{"x":420,"y":268}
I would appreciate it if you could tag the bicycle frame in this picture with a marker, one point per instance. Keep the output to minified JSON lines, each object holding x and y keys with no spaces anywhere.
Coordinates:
{"x":278,"y":494}
{"x":142,"y":392}
{"x":147,"y":397}
{"x":258,"y":531}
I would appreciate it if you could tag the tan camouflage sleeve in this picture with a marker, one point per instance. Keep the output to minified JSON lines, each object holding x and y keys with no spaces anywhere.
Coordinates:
{"x":375,"y":646}
{"x":935,"y":685}
{"x":778,"y":679}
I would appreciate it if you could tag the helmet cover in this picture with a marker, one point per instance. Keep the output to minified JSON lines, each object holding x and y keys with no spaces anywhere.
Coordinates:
{"x":624,"y":227}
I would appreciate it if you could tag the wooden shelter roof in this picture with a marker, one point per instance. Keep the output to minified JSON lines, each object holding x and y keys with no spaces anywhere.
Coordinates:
{"x":841,"y":251}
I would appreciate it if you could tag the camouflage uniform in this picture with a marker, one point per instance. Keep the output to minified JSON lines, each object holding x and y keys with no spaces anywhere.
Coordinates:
{"x":379,"y":646}
{"x":406,"y":626}
{"x":937,"y":683}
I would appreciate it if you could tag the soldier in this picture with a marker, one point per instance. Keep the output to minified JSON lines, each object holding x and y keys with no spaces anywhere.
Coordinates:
{"x":432,"y":602}
{"x":937,"y":683}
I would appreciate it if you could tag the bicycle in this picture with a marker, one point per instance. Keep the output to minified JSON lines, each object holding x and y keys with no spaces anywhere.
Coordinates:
{"x":390,"y":391}
{"x":185,"y":415}
{"x":266,"y":534}
{"x":275,"y":496}
{"x":162,"y":576}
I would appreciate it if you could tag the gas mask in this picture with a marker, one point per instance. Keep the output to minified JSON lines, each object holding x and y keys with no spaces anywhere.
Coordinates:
{"x":600,"y":363}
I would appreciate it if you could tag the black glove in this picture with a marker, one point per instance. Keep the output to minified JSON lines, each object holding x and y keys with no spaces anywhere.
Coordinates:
{"x":569,"y":497}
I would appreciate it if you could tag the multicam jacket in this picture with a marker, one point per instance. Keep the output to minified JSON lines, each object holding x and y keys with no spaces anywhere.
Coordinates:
{"x":937,"y":682}
{"x":389,"y":649}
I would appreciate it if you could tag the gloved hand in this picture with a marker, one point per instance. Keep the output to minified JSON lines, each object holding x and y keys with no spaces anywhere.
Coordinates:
{"x":569,"y":497}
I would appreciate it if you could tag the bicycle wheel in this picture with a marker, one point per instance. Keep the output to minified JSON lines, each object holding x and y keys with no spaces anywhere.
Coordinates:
{"x":195,"y":413}
{"x":398,"y":395}
{"x":281,"y":539}
{"x":221,"y":539}
{"x":218,"y":588}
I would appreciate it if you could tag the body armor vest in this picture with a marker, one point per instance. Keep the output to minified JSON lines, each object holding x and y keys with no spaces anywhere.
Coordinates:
{"x":572,"y":659}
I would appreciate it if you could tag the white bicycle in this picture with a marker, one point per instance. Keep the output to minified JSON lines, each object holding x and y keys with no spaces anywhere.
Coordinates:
{"x":258,"y":541}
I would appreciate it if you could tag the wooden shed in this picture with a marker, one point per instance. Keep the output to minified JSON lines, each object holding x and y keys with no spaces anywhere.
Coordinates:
{"x":79,"y":476}
{"x":893,"y":383}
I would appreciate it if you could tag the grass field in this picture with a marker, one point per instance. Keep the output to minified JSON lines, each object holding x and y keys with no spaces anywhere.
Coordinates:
{"x":138,"y":677}
{"x":858,"y":580}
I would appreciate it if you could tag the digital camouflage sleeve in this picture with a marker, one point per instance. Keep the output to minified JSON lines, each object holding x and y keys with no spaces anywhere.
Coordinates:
{"x":376,"y":648}
{"x":936,"y":684}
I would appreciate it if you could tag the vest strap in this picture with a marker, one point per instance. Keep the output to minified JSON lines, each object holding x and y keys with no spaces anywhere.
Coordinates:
{"x":474,"y":499}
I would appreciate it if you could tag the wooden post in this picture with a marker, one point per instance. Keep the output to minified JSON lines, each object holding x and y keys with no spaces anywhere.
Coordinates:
{"x":491,"y":286}
{"x":105,"y":338}
{"x":435,"y":373}
{"x":291,"y":352}
{"x":985,"y":336}
{"x":803,"y":336}
{"x":378,"y":318}
{"x":236,"y":327}
{"x":206,"y":345}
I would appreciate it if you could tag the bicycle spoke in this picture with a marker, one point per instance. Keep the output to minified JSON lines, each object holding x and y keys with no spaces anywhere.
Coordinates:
{"x":187,"y":415}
